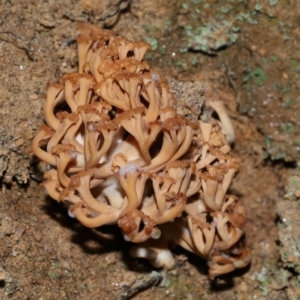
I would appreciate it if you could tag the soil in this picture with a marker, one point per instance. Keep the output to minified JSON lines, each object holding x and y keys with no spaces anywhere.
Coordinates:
{"x":244,"y":52}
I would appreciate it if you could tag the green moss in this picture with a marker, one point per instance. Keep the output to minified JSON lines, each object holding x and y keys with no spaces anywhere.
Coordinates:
{"x":246,"y":17}
{"x":273,"y":2}
{"x":260,"y":76}
{"x":294,"y":63}
{"x":225,"y":9}
{"x":153,"y":42}
{"x":287,"y":128}
{"x":258,"y":7}
{"x":278,"y":154}
{"x":53,"y":275}
{"x":264,"y":283}
{"x":287,"y":102}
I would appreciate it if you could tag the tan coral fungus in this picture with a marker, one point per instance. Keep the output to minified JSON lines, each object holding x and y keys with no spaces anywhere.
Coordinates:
{"x":120,"y":154}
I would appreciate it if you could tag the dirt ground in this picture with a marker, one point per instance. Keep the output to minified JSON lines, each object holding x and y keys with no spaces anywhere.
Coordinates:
{"x":246,"y":53}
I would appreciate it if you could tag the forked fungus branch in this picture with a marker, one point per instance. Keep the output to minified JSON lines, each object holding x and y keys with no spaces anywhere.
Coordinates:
{"x":120,"y":154}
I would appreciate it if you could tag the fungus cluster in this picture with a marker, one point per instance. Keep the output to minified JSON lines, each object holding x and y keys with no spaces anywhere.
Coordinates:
{"x":121,"y":154}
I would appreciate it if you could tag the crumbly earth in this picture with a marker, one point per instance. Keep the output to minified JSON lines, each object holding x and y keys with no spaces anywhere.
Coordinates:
{"x":245,"y":54}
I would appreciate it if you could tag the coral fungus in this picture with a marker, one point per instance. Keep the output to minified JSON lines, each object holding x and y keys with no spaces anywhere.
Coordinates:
{"x":121,"y":154}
